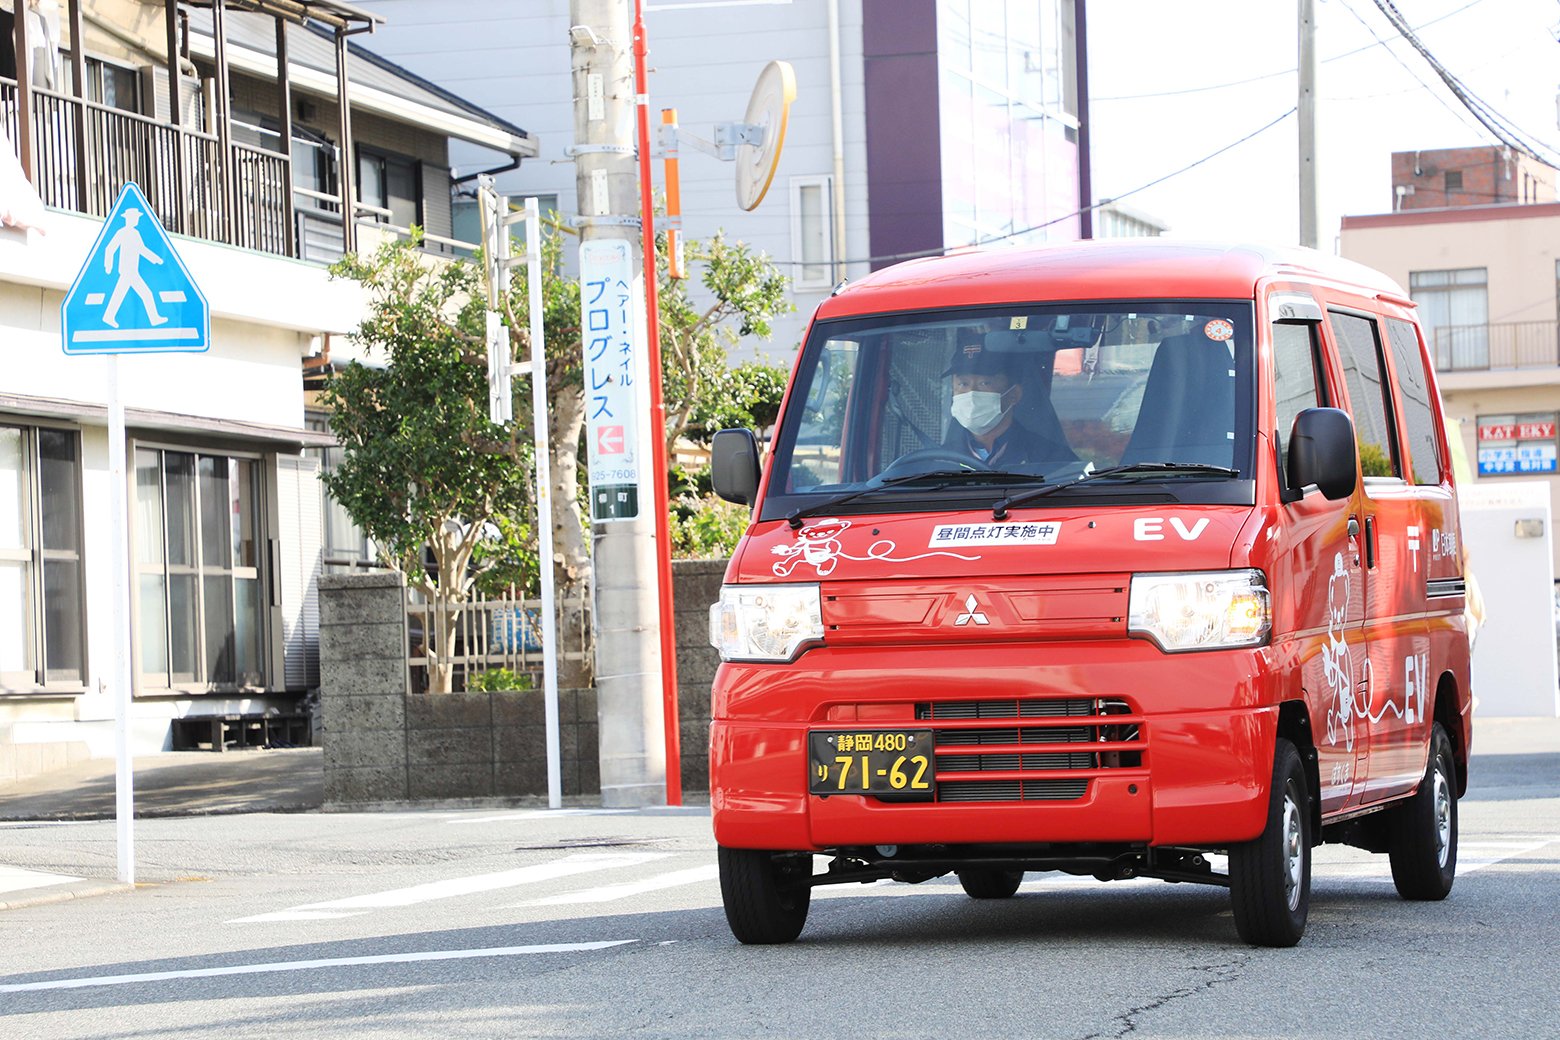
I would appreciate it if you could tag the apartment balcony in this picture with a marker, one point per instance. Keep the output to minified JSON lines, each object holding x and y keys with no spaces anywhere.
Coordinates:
{"x":1495,"y":347}
{"x":214,"y":161}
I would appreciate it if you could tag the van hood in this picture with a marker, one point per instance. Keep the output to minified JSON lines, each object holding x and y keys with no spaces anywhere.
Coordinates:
{"x":961,"y":546}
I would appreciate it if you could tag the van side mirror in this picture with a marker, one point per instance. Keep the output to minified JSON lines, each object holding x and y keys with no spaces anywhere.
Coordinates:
{"x":734,"y":470}
{"x":1322,"y":452}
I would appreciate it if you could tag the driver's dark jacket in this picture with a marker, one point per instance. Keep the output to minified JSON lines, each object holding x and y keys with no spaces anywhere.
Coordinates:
{"x":1015,"y":446}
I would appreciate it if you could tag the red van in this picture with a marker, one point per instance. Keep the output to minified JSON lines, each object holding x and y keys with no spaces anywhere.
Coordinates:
{"x":1128,"y":559}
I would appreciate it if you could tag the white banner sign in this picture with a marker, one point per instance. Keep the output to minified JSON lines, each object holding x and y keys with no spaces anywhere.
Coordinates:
{"x":610,"y":303}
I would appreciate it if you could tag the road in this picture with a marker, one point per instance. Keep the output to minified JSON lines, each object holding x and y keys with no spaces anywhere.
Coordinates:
{"x":589,"y":924}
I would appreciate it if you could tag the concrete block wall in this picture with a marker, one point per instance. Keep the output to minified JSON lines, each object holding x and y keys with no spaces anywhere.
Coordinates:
{"x":695,"y":586}
{"x":384,"y":744}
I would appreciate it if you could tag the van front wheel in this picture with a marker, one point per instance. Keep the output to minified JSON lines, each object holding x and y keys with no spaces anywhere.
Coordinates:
{"x":1270,"y":877}
{"x":1423,"y":830}
{"x":766,"y":894}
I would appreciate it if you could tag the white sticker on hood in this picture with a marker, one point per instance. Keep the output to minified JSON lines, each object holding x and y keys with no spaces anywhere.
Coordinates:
{"x":994,"y":534}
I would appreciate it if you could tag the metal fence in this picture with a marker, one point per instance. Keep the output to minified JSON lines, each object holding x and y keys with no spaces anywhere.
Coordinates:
{"x":1478,"y":348}
{"x":489,"y":633}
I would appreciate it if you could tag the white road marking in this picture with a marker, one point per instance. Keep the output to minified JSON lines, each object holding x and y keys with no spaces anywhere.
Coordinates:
{"x":1471,"y":856}
{"x":608,"y":893}
{"x":15,"y":879}
{"x":455,"y":887}
{"x":334,"y":962}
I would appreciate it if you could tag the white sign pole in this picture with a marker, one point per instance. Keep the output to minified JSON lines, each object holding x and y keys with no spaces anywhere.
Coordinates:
{"x":124,"y":785}
{"x":544,"y":539}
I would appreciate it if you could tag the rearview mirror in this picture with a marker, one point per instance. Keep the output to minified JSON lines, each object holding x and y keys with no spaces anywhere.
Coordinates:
{"x":734,"y":470}
{"x":1322,"y":452}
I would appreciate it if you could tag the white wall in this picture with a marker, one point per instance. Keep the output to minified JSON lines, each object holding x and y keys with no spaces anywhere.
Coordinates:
{"x":513,"y":59}
{"x":1514,"y":666}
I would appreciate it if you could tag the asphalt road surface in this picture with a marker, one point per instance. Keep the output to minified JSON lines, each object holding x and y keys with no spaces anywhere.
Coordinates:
{"x":595,"y":924}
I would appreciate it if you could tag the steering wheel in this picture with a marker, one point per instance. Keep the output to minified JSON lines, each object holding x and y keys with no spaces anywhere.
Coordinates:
{"x":929,"y":460}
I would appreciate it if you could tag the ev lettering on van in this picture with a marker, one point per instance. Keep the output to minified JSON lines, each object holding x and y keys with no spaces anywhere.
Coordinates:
{"x":1152,"y":528}
{"x":818,"y":546}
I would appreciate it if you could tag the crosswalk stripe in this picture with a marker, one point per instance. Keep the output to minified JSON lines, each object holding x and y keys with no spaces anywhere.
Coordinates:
{"x":448,"y":888}
{"x":608,"y":893}
{"x":314,"y":965}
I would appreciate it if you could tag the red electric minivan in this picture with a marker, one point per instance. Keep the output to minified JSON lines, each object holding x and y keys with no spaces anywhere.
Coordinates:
{"x":1125,"y":559}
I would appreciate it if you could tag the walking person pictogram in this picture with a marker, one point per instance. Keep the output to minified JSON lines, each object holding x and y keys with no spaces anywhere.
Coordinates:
{"x":131,"y":249}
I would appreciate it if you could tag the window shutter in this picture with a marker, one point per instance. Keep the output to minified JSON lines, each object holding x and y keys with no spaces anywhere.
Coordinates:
{"x":298,"y":506}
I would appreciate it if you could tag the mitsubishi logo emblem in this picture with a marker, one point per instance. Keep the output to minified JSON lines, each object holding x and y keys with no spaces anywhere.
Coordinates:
{"x":970,"y":613}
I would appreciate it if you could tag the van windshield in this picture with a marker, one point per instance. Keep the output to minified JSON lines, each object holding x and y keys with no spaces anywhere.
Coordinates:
{"x":952,"y":409}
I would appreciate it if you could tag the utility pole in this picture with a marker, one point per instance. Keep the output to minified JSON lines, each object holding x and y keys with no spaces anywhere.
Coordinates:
{"x":618,"y":433}
{"x":1305,"y":107}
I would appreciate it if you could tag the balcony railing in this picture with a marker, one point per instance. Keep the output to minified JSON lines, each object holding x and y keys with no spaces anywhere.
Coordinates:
{"x":1480,"y":348}
{"x":85,"y":152}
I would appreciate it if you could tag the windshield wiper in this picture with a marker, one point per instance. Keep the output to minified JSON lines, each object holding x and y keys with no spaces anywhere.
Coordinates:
{"x":1138,"y":471}
{"x":946,"y":478}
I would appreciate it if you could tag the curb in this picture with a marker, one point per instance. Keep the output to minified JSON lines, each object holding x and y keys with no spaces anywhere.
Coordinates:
{"x":63,"y":893}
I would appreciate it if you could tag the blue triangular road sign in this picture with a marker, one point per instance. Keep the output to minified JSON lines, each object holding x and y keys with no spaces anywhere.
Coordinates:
{"x":134,"y":295}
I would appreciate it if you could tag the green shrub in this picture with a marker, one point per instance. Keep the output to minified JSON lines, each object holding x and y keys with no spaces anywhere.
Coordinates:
{"x":494,"y":680}
{"x":706,"y":528}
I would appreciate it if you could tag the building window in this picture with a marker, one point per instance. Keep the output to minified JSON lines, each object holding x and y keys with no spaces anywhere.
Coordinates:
{"x":199,"y":578}
{"x":40,"y":557}
{"x":812,"y":232}
{"x":393,"y":185}
{"x":1454,"y":310}
{"x":344,"y":545}
{"x":1453,"y":181}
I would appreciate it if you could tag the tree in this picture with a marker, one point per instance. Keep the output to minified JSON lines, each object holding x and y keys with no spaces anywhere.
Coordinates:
{"x":423,"y":470}
{"x":743,"y":290}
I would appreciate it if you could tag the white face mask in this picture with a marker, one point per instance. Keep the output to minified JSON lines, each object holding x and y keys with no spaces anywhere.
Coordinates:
{"x":978,"y":411}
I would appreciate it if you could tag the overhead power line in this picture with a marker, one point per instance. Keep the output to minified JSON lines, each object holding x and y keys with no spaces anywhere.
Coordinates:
{"x":920,"y":253}
{"x":1283,"y":72}
{"x":1497,"y":124}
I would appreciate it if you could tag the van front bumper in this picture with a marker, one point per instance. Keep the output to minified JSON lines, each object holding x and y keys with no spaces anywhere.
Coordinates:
{"x":1203,"y":726}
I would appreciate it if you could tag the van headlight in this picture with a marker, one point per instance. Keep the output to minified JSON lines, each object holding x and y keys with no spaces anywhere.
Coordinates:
{"x":1207,"y":610}
{"x":765,"y":622}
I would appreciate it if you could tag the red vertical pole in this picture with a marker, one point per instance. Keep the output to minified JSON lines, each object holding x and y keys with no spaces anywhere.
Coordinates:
{"x":662,"y":507}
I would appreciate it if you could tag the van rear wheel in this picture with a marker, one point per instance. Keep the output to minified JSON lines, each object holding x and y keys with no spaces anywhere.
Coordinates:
{"x":1422,"y":832}
{"x":1270,"y":877}
{"x":766,"y":894}
{"x":990,"y":883}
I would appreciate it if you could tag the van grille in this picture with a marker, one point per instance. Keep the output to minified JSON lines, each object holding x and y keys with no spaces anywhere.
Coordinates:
{"x":1000,"y":775}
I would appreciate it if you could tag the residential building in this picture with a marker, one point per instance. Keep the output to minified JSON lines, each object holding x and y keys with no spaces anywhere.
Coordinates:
{"x":956,"y":120}
{"x":1486,"y":279}
{"x":192,"y":102}
{"x":1455,"y":177}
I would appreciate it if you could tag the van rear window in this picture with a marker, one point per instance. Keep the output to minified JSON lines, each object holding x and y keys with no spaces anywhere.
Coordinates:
{"x":945,"y":405}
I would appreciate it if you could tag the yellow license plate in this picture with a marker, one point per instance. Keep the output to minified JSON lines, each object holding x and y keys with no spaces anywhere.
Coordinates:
{"x":891,"y":764}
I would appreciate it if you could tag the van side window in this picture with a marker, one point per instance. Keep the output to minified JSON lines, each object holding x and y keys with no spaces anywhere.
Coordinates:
{"x":1360,"y":353}
{"x":1297,"y":383}
{"x":1422,"y":441}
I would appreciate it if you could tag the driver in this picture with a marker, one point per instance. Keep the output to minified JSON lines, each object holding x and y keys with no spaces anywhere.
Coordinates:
{"x":986,"y":389}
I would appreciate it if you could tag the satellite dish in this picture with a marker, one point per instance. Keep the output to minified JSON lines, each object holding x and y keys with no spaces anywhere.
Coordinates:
{"x":767,"y":112}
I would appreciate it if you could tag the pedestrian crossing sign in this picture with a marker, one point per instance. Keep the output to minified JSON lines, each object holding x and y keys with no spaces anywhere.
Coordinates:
{"x":134,"y":294}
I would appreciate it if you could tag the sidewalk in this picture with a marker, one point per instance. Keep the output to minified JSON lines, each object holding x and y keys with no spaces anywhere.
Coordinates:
{"x":177,"y":783}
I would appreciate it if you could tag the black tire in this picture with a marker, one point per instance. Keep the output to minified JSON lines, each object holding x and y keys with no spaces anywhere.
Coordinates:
{"x":766,"y":894}
{"x":990,"y":883}
{"x":1270,"y":877}
{"x":1422,"y":832}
